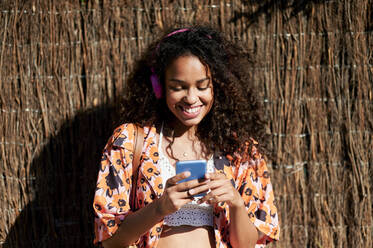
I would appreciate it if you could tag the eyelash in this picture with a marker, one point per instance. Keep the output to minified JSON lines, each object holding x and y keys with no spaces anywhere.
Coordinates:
{"x":181,"y":88}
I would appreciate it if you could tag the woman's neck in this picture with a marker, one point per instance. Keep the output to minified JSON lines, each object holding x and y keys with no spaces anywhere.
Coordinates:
{"x":181,"y":132}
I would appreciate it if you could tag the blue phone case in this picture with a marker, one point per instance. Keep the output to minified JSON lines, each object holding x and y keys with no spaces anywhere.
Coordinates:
{"x":197,"y":170}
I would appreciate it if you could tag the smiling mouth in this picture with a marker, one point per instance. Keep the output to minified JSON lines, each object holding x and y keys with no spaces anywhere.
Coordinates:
{"x":191,"y":110}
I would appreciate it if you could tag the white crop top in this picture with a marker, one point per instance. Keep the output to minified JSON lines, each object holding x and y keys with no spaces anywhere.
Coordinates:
{"x":191,"y":214}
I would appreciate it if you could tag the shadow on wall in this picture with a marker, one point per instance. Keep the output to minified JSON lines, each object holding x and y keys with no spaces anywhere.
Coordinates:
{"x":61,"y":214}
{"x":269,"y":7}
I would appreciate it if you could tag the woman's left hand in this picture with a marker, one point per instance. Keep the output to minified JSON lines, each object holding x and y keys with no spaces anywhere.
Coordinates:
{"x":221,"y":190}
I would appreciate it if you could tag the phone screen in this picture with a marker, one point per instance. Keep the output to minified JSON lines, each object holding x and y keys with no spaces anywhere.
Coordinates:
{"x":197,"y":169}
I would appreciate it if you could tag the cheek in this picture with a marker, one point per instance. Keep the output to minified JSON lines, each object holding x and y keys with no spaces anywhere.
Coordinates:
{"x":169,"y":104}
{"x":171,"y":100}
{"x":208,"y":98}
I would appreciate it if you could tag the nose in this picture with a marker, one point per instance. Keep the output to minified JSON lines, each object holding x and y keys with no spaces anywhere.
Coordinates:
{"x":191,"y":96}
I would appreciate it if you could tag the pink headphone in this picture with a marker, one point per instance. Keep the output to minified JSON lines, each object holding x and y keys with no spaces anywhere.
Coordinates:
{"x":157,"y":87}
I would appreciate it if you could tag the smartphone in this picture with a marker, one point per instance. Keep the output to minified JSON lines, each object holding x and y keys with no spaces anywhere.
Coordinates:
{"x":197,"y":169}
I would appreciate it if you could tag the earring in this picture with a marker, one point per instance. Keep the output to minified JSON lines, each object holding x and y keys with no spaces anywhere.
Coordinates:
{"x":157,"y":87}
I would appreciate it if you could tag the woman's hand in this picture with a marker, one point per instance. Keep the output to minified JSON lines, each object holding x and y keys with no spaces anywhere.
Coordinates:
{"x":177,"y":194}
{"x":137,"y":223}
{"x":221,"y":190}
{"x":242,"y":231}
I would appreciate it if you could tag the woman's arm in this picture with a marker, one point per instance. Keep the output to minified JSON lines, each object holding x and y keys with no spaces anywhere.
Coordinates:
{"x":243,"y":233}
{"x":242,"y":230}
{"x":135,"y":225}
{"x":139,"y":222}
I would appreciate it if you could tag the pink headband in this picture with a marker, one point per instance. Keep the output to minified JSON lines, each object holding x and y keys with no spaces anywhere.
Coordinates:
{"x":177,"y":31}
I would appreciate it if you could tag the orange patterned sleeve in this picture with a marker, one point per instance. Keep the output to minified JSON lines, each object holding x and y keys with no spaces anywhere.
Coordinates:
{"x":256,"y":190}
{"x":111,"y":200}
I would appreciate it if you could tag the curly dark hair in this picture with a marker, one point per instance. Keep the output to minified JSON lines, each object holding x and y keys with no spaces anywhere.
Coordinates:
{"x":236,"y":114}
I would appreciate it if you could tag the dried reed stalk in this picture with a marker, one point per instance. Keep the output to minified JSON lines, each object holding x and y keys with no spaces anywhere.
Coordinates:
{"x":63,"y":64}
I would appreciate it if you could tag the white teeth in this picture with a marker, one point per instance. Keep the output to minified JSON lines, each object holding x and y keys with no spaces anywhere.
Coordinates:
{"x":191,"y":110}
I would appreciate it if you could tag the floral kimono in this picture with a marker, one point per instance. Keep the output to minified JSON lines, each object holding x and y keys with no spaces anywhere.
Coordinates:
{"x":248,"y":173}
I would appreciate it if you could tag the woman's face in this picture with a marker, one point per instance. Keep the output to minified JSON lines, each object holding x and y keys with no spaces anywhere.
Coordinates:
{"x":189,"y":90}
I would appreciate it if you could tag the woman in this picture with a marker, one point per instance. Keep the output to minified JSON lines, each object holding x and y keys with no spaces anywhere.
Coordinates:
{"x":194,"y":99}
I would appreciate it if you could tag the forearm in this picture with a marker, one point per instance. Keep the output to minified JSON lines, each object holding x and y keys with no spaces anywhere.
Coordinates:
{"x":135,"y":225}
{"x":243,"y":233}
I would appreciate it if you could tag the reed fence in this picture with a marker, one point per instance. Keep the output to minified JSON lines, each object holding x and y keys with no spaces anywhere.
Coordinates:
{"x":63,"y":65}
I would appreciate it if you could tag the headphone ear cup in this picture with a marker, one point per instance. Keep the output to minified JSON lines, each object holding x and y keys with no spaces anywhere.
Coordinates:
{"x":157,"y":87}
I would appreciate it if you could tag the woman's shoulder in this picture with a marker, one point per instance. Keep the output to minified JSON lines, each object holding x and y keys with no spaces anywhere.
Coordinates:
{"x":249,"y":149}
{"x":253,"y":150}
{"x":124,"y":135}
{"x":256,"y":158}
{"x":249,"y":156}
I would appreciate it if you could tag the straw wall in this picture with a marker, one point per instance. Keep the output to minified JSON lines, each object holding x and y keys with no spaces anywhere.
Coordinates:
{"x":63,"y":64}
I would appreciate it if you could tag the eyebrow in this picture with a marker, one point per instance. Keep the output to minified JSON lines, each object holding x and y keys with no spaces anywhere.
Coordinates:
{"x":181,"y":81}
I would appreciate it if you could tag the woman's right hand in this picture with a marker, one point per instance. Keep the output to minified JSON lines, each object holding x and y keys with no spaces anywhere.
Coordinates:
{"x":173,"y":198}
{"x":177,"y":194}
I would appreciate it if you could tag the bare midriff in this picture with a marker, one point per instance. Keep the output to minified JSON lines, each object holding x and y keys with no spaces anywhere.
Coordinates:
{"x":187,"y":236}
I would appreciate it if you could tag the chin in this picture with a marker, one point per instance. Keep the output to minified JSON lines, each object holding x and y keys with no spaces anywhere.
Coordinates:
{"x":190,"y":123}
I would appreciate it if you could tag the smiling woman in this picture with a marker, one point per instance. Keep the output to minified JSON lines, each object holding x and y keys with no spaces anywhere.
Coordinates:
{"x":194,"y":100}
